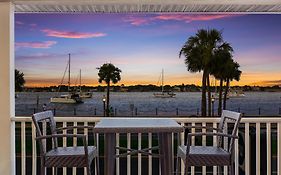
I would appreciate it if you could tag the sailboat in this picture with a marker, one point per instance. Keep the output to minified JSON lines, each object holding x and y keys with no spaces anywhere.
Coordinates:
{"x":71,"y":97}
{"x":163,"y":93}
{"x":81,"y":93}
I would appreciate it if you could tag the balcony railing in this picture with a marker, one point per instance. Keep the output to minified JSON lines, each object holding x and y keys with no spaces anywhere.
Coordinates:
{"x":258,"y":150}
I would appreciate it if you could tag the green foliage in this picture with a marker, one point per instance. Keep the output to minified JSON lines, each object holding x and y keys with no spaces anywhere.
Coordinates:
{"x":19,"y":80}
{"x":108,"y":72}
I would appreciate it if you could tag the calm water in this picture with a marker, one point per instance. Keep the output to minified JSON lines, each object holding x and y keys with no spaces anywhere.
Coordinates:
{"x":143,"y":103}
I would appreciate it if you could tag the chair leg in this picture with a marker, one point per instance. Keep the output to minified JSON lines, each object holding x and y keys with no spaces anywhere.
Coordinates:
{"x":97,"y":165}
{"x":178,"y":165}
{"x":42,"y":170}
{"x":185,"y":167}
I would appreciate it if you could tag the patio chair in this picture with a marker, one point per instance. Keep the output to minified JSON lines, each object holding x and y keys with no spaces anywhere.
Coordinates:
{"x":58,"y":157}
{"x":211,"y":155}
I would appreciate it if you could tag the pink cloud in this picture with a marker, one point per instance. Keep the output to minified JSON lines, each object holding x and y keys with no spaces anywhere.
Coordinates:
{"x":189,"y":18}
{"x":33,"y":25}
{"x":37,"y":45}
{"x":138,"y":21}
{"x":19,"y":23}
{"x":69,"y":34}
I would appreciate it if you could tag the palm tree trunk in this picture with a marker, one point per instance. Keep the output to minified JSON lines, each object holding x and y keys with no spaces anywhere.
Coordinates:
{"x":203,"y":99}
{"x":209,"y":96}
{"x":225,"y":94}
{"x":107,"y":99}
{"x":220,"y":98}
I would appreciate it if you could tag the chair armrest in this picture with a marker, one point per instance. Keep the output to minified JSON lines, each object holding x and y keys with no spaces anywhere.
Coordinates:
{"x":208,"y":134}
{"x":211,"y":134}
{"x":85,"y":144}
{"x":202,"y":127}
{"x":205,"y":134}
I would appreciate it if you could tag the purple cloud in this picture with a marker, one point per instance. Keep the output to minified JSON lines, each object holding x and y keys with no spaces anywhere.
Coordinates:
{"x":37,"y":45}
{"x":71,"y":34}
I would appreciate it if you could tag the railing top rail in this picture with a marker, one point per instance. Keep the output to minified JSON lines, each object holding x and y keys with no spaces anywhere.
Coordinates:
{"x":178,"y":119}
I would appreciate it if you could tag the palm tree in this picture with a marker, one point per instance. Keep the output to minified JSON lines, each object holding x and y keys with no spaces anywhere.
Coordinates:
{"x":232,"y":73}
{"x":108,"y":73}
{"x":19,"y":80}
{"x":218,"y":68}
{"x":199,"y":54}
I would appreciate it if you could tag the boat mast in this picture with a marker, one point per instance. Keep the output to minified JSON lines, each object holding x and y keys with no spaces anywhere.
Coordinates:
{"x":80,"y":80}
{"x":69,"y":72}
{"x":162,"y":80}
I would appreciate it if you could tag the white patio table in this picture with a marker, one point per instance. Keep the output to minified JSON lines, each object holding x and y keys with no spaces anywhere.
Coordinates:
{"x":162,"y":126}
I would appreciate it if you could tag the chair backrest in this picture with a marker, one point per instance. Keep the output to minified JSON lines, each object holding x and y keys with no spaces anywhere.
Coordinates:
{"x":233,"y":117}
{"x":48,"y":118}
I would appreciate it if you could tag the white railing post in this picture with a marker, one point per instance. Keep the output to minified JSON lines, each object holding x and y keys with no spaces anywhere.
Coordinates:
{"x":268,"y":148}
{"x":128,"y":156}
{"x":34,"y":151}
{"x":23,"y":157}
{"x":247,"y":149}
{"x":117,"y":153}
{"x":204,"y":144}
{"x":139,"y":154}
{"x":150,"y":157}
{"x":279,"y":148}
{"x":257,"y":148}
{"x":74,"y":144}
{"x":64,"y":143}
{"x":215,"y":143}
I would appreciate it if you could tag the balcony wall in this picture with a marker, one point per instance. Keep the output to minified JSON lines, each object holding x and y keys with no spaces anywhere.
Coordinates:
{"x":256,"y":152}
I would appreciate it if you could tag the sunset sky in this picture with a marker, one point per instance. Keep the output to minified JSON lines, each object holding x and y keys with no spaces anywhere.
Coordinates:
{"x":141,"y":45}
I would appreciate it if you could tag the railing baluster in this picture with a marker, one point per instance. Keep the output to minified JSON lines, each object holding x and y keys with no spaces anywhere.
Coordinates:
{"x":44,"y":128}
{"x":74,"y":144}
{"x":139,"y":154}
{"x":215,"y":144}
{"x":128,"y":156}
{"x":34,"y":154}
{"x":150,"y":157}
{"x":23,"y":153}
{"x":86,"y":133}
{"x":257,"y":148}
{"x":247,"y":149}
{"x":268,"y":147}
{"x":64,"y":144}
{"x":117,"y":153}
{"x":237,"y":154}
{"x":279,"y":148}
{"x":192,"y":143}
{"x":204,"y":144}
{"x":225,"y":145}
{"x":182,"y":143}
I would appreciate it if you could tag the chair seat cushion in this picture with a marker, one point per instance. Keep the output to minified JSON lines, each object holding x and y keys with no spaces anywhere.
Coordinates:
{"x":205,"y":155}
{"x":69,"y":156}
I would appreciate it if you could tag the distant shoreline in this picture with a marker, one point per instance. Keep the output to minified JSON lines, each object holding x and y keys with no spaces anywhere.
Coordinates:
{"x":150,"y":88}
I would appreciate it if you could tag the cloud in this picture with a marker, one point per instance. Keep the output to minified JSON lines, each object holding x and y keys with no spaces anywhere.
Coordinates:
{"x":137,"y":21}
{"x":144,"y":20}
{"x":71,"y":34}
{"x":19,"y":23}
{"x":189,"y":18}
{"x":37,"y":45}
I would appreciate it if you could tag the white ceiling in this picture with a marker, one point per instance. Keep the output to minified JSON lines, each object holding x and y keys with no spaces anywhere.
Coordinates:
{"x":139,"y":6}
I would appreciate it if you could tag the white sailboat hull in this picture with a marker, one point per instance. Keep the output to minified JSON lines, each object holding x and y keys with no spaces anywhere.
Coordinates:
{"x":70,"y":99}
{"x":164,"y":95}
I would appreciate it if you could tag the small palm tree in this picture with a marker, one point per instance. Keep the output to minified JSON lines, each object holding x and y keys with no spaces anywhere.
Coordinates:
{"x":108,"y":73}
{"x":19,"y":80}
{"x":222,"y":55}
{"x":232,"y":73}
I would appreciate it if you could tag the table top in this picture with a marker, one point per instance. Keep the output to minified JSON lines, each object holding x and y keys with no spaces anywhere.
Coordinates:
{"x":137,"y":125}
